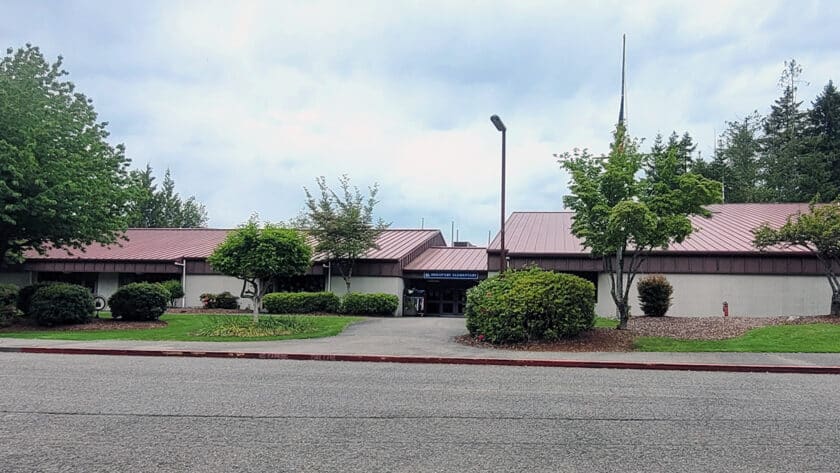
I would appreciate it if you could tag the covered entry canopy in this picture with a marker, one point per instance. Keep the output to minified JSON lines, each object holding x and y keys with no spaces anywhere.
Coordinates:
{"x":444,"y":274}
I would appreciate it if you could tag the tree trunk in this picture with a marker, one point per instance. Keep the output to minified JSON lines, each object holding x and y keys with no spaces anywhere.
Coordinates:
{"x":835,"y":303}
{"x":347,"y":283}
{"x":623,"y":315}
{"x":256,"y":300}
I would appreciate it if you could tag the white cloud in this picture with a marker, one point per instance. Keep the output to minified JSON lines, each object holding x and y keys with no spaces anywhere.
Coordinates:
{"x":248,"y":102}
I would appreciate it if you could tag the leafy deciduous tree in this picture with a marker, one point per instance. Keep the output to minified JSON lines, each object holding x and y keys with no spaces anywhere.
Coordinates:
{"x":621,"y":217}
{"x":256,"y":255}
{"x":342,"y":224}
{"x":61,"y":182}
{"x":818,"y":232}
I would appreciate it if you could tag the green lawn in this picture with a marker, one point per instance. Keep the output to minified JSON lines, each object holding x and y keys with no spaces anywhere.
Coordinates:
{"x":605,"y":322}
{"x":181,"y":327}
{"x":812,"y":338}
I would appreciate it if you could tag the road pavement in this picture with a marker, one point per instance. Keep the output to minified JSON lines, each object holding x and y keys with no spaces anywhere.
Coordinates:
{"x":108,"y":414}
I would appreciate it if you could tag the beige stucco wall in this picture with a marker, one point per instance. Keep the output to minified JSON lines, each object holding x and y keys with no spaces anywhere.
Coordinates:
{"x":107,"y":284}
{"x":19,"y":279}
{"x":369,"y":284}
{"x":747,"y":295}
{"x":198,"y":284}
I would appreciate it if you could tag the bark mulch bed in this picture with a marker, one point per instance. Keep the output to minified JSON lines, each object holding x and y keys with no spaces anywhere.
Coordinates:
{"x":94,"y":324}
{"x":687,"y":328}
{"x":188,"y":310}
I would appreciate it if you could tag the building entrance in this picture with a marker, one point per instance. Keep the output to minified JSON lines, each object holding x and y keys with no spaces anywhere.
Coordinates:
{"x":442,"y":297}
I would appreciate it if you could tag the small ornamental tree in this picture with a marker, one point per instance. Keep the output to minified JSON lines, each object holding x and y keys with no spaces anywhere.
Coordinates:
{"x":342,"y":224}
{"x":627,"y":204}
{"x":256,"y":255}
{"x":818,"y":232}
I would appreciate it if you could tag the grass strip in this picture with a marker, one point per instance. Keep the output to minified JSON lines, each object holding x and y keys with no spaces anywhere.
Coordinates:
{"x":187,"y":327}
{"x":809,"y":338}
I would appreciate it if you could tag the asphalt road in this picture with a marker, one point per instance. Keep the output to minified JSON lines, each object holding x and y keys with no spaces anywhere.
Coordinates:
{"x":100,"y":413}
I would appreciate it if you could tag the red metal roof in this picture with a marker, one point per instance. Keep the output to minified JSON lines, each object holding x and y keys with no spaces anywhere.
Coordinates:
{"x":147,"y":244}
{"x":450,"y":259}
{"x":728,"y":230}
{"x":393,"y":244}
{"x":170,"y":244}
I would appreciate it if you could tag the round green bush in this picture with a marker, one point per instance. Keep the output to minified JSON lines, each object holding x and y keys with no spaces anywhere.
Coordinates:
{"x":174,"y":288}
{"x":139,"y":301}
{"x":24,"y":297}
{"x":301,"y":302}
{"x":655,"y":295}
{"x":226,"y":300}
{"x":356,"y":303}
{"x":58,"y":304}
{"x":530,"y":305}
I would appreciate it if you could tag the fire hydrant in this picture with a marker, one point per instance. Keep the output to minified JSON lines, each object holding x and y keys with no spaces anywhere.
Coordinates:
{"x":725,"y":309}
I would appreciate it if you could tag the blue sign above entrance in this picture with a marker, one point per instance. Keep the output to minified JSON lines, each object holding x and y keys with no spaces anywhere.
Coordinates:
{"x":449,"y":275}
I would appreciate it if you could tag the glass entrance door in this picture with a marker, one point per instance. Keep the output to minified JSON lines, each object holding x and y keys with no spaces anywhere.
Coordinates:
{"x":445,"y":300}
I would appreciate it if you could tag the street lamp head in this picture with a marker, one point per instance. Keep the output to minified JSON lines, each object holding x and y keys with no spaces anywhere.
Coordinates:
{"x":498,"y":123}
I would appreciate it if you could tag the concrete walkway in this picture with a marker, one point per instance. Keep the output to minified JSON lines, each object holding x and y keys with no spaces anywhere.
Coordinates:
{"x":428,"y":336}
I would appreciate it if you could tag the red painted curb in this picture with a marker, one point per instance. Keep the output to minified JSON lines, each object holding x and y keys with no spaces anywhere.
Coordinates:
{"x":633,"y":365}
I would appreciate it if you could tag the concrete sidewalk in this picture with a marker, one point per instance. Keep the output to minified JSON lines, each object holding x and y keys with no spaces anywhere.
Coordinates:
{"x":425,"y":337}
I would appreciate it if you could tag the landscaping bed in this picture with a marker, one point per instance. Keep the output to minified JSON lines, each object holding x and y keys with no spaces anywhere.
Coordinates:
{"x":688,"y":334}
{"x":202,"y":311}
{"x":94,"y":324}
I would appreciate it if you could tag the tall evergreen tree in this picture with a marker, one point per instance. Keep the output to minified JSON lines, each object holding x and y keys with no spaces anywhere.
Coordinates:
{"x":162,"y":208}
{"x":683,"y":148}
{"x":824,"y":133}
{"x":736,"y":161}
{"x":785,"y":166}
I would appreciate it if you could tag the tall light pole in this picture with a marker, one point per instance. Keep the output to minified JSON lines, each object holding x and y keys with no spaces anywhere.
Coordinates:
{"x":497,"y":122}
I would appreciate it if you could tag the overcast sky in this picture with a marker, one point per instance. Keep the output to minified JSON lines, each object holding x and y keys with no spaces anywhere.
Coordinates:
{"x":247,"y":102}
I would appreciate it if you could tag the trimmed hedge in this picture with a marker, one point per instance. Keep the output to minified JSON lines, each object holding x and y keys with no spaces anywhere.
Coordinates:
{"x":24,"y":298}
{"x":301,"y":302}
{"x":529,"y":305}
{"x":139,"y":301}
{"x":225,"y":300}
{"x":655,"y":295}
{"x":356,"y":303}
{"x":58,"y":304}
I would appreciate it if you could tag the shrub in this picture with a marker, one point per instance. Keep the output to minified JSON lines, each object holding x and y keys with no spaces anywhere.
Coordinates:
{"x":301,"y":302}
{"x":174,"y":288}
{"x":57,"y":304}
{"x":8,"y":304}
{"x":655,"y":295}
{"x":24,"y":298}
{"x":532,"y":304}
{"x":139,"y":301}
{"x":8,"y":294}
{"x":225,"y":300}
{"x":369,"y":304}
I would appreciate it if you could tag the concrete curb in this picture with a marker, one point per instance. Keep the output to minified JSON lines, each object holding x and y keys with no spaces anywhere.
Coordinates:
{"x":631,"y":365}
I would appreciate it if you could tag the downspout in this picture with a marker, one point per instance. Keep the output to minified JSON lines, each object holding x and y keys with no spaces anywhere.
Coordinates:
{"x":329,"y":277}
{"x":183,"y":266}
